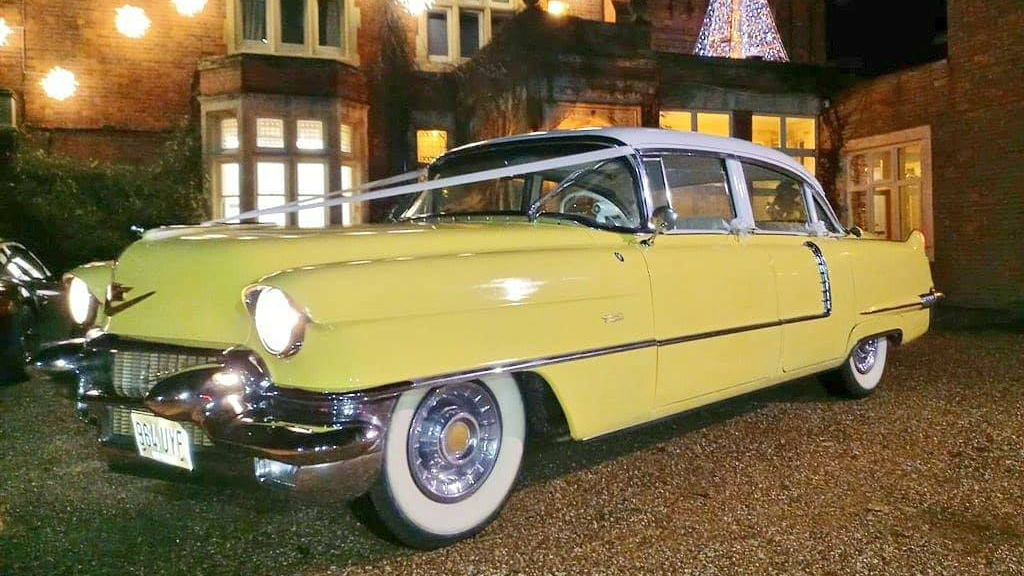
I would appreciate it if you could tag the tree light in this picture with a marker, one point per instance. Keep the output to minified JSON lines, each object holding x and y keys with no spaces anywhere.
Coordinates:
{"x":59,"y":84}
{"x":189,"y":7}
{"x":557,"y":7}
{"x":131,"y":21}
{"x":740,"y":29}
{"x":416,"y":7}
{"x":5,"y":32}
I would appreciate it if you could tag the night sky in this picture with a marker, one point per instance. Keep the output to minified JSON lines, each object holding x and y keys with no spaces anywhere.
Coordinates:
{"x":878,"y":36}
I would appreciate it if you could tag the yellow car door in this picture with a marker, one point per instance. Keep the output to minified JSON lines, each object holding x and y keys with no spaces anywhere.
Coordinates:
{"x":715,"y":304}
{"x":811,"y":268}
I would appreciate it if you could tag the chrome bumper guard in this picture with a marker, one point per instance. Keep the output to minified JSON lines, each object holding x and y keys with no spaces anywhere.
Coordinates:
{"x":327,"y":445}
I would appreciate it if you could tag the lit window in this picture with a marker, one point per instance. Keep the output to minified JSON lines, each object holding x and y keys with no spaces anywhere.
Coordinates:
{"x":716,"y":123}
{"x":437,"y":34}
{"x":469,"y":33}
{"x":346,"y":138}
{"x":430,"y":144}
{"x":229,"y":189}
{"x":309,"y":135}
{"x":311,"y":185}
{"x":676,"y":120}
{"x":229,"y":134}
{"x":269,"y":133}
{"x":713,"y":123}
{"x":270,"y":190}
{"x":347,"y":182}
{"x":800,"y":133}
{"x":767,"y":131}
{"x":888,"y":185}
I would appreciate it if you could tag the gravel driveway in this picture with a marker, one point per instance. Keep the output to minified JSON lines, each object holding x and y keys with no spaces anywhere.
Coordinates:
{"x":926,"y":477}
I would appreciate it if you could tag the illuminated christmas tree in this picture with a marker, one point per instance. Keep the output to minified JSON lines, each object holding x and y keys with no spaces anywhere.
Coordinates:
{"x":740,"y":29}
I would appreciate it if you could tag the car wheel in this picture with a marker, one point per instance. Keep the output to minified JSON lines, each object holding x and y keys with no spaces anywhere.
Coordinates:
{"x":451,"y":456}
{"x":860,"y":375}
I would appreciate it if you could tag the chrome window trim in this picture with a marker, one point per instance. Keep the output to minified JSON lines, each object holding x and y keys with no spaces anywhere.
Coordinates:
{"x":785,"y":172}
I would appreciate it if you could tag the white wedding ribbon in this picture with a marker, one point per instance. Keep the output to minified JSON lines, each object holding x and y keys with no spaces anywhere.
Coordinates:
{"x":301,"y":203}
{"x":345,"y":196}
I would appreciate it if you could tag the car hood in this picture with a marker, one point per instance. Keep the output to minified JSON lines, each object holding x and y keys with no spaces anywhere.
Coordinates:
{"x":185,"y":285}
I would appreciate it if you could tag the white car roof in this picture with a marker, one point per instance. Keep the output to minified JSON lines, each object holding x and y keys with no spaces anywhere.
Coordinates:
{"x":641,"y":138}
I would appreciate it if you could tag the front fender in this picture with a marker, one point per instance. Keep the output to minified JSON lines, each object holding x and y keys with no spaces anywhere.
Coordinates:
{"x":380,"y":322}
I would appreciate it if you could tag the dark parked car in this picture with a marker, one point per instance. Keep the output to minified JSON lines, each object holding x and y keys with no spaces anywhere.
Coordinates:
{"x":32,"y":310}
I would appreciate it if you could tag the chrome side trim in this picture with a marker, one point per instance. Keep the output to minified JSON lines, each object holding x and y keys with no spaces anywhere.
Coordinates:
{"x":826,"y":284}
{"x":924,"y":301}
{"x":517,"y":365}
{"x":514,"y":365}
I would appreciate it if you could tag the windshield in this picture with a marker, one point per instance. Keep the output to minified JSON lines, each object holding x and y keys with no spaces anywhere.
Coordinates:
{"x":602,"y":193}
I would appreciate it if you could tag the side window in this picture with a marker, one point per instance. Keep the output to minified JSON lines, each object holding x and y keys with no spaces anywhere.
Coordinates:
{"x":776,"y":199}
{"x":698,"y":190}
{"x":822,"y":214}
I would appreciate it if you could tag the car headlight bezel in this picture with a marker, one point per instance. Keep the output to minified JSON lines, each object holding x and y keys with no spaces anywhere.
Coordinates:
{"x":279,"y":323}
{"x":82,"y":305}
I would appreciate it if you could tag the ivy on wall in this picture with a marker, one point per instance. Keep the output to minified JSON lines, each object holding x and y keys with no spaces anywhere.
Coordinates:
{"x":69,"y":211}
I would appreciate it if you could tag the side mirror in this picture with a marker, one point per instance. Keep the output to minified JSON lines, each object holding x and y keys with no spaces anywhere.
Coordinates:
{"x":857,"y":231}
{"x":664,"y":219}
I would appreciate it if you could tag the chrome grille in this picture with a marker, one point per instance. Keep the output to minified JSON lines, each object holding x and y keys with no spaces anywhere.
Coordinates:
{"x":137,"y":371}
{"x":121,"y":425}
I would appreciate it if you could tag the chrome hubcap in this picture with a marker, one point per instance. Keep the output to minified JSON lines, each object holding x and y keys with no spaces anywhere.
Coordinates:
{"x":865,"y":355}
{"x":454,"y":440}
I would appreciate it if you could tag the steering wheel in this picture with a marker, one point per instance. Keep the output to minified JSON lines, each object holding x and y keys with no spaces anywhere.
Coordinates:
{"x":604,"y":211}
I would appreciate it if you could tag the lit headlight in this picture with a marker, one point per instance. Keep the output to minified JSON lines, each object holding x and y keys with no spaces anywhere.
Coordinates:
{"x":81,"y":303}
{"x":279,"y":323}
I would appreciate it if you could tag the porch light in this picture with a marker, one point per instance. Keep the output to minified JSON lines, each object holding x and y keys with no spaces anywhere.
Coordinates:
{"x":5,"y":32}
{"x":59,"y":84}
{"x":189,"y":7}
{"x":131,"y":21}
{"x":557,"y":7}
{"x":417,"y":7}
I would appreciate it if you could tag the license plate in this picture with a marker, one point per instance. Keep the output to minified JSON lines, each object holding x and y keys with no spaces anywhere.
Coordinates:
{"x":162,"y":440}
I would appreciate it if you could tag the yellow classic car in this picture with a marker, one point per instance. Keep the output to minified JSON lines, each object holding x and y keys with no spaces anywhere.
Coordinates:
{"x":578,"y":282}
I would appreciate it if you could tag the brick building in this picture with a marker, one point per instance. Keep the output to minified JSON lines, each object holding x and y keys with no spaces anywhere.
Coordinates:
{"x":297,"y":97}
{"x":941,"y":147}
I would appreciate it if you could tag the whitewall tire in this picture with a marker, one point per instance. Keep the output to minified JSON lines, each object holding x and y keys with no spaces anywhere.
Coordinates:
{"x":862,"y":372}
{"x":451,"y":456}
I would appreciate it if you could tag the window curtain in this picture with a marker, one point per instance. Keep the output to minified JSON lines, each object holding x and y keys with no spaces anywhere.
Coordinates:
{"x":254,"y":20}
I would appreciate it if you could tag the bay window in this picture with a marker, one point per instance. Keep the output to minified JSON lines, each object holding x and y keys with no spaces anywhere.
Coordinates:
{"x":318,"y":28}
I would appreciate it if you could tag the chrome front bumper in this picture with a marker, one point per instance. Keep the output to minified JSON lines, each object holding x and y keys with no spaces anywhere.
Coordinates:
{"x":325,"y":445}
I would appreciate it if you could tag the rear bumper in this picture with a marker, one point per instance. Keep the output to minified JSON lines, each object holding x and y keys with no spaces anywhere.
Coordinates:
{"x":320,"y":445}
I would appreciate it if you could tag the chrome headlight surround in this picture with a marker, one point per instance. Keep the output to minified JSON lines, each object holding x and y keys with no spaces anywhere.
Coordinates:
{"x":81,"y":304}
{"x":279,"y":323}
